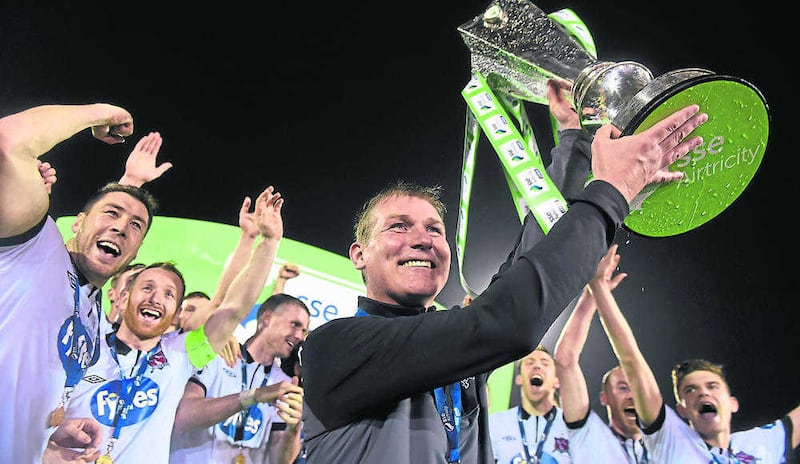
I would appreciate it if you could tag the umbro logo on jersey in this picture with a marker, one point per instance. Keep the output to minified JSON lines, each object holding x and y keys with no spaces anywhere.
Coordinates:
{"x":94,"y":379}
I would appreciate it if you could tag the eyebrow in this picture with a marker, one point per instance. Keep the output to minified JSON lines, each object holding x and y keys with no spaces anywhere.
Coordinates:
{"x":122,"y":208}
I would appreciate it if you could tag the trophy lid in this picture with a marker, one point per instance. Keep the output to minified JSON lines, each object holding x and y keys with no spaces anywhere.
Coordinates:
{"x":517,"y":41}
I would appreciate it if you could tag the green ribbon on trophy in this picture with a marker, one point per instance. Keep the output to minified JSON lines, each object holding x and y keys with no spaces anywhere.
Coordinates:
{"x":490,"y":110}
{"x":515,"y":47}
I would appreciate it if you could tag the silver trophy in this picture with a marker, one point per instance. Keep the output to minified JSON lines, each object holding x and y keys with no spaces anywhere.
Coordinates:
{"x":517,"y":47}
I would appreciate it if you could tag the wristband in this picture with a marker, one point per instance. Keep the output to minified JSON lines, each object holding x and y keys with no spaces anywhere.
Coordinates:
{"x":198,"y":348}
{"x":247,"y":398}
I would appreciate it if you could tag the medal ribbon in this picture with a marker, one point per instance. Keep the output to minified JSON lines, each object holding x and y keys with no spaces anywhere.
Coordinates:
{"x":539,"y":446}
{"x":236,"y":428}
{"x":129,"y":387}
{"x":72,"y":360}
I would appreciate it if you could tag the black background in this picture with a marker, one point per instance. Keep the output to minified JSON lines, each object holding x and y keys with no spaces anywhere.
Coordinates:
{"x":329,"y":102}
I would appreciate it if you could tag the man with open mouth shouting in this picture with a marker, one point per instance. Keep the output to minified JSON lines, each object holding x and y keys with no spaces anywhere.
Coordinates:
{"x":534,"y":431}
{"x":50,"y":294}
{"x":703,"y":399}
{"x":134,"y":388}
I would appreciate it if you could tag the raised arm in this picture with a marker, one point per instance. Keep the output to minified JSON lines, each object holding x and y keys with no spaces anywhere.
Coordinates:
{"x":573,"y":391}
{"x":643,"y":383}
{"x":247,"y":286}
{"x":29,"y":134}
{"x":140,"y":167}
{"x":572,"y":384}
{"x":241,"y":254}
{"x":287,"y":271}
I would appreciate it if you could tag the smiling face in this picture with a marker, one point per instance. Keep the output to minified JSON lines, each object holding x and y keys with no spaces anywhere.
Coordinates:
{"x":284,"y":327}
{"x":150,"y":303}
{"x":704,"y":400}
{"x":617,"y":397}
{"x":537,"y":380}
{"x":406,"y":258}
{"x":108,"y":236}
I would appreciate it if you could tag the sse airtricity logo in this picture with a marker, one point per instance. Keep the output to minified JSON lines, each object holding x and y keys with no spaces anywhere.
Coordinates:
{"x":133,"y":403}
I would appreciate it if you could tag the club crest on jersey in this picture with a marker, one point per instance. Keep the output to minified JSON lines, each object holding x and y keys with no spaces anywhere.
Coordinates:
{"x":561,"y":445}
{"x":745,"y":458}
{"x":124,"y":398}
{"x":157,"y":361}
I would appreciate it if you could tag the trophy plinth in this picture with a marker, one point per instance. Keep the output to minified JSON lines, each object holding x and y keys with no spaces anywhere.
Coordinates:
{"x":517,"y":48}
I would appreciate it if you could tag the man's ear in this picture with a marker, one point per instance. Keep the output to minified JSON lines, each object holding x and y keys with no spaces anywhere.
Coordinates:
{"x":76,"y":225}
{"x":518,"y":380}
{"x":603,"y":398}
{"x":680,"y":409}
{"x":734,"y":404}
{"x":112,"y":294}
{"x":357,"y":255}
{"x":122,"y":304}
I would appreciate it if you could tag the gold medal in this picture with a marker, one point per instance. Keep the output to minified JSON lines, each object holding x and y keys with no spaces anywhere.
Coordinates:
{"x":239,"y":459}
{"x":104,"y":459}
{"x":57,"y":416}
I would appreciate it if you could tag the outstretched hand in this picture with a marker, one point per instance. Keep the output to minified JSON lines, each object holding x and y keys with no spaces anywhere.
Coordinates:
{"x":605,"y":269}
{"x":268,"y":214}
{"x":140,"y":167}
{"x":247,"y":220}
{"x":632,"y":162}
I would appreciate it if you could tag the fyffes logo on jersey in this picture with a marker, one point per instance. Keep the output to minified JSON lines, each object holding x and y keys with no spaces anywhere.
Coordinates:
{"x":133,"y":403}
{"x":252,"y":423}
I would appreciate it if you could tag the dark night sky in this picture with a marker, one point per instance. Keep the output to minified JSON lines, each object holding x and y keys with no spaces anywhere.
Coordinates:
{"x":330,"y":102}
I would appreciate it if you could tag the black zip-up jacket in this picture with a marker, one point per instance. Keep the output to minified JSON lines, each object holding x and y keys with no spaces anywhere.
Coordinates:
{"x":368,"y":380}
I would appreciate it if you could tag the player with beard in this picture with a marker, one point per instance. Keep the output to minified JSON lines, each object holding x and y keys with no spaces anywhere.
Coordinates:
{"x":703,"y":399}
{"x":534,"y":431}
{"x":134,"y":388}
{"x":50,"y":294}
{"x":591,"y":439}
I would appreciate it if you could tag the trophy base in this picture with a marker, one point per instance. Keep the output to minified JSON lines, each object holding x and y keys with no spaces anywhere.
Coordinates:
{"x":715,"y":174}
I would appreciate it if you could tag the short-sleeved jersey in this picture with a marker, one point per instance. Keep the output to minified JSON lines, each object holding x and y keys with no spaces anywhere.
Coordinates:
{"x":593,"y":440}
{"x":506,"y":428}
{"x":219,"y":443}
{"x":37,"y":297}
{"x":670,"y":439}
{"x":144,"y":429}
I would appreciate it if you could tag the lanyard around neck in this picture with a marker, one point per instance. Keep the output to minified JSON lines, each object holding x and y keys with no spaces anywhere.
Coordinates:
{"x":129,"y":385}
{"x":73,"y":330}
{"x":540,"y":445}
{"x":237,"y":427}
{"x":448,"y":403}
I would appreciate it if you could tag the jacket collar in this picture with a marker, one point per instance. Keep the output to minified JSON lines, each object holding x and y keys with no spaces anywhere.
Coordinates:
{"x":376,"y":308}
